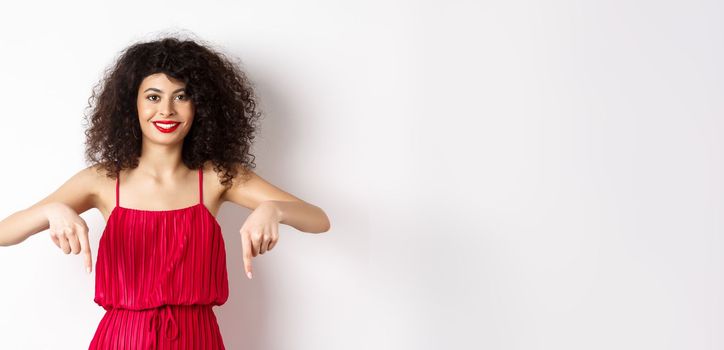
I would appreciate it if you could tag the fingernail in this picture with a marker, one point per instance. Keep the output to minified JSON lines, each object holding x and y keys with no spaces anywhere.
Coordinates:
{"x":87,"y":269}
{"x":248,"y":274}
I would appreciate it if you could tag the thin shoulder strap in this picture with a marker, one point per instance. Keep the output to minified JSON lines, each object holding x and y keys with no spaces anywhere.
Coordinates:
{"x":118,"y":178}
{"x":201,"y":186}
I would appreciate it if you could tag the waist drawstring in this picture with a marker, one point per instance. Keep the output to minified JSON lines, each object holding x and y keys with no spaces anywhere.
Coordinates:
{"x":167,"y":319}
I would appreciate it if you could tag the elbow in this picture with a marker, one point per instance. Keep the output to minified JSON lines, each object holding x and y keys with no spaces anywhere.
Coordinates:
{"x":7,"y":243}
{"x":10,"y":243}
{"x":320,"y":225}
{"x":326,"y":225}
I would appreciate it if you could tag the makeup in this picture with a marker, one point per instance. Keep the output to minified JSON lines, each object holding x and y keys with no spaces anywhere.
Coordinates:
{"x":166,"y":126}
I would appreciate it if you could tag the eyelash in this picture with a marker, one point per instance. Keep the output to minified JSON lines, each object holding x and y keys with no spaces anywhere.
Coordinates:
{"x":148,"y":97}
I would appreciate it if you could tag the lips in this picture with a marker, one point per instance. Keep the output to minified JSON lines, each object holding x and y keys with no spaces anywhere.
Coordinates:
{"x":166,"y":126}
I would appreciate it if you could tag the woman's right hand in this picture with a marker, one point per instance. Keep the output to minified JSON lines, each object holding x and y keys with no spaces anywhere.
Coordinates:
{"x":69,"y":231}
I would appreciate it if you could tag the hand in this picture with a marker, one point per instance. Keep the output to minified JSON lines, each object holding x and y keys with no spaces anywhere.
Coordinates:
{"x":260,"y":232}
{"x":69,"y":231}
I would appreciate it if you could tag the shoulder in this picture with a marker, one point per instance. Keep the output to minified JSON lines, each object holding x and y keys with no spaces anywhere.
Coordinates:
{"x":80,"y":191}
{"x":87,"y":177}
{"x":239,"y":182}
{"x":95,"y":175}
{"x":249,"y":190}
{"x":92,"y":180}
{"x":213,"y":179}
{"x":241,"y":174}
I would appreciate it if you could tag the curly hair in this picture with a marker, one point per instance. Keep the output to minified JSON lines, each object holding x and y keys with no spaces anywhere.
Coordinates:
{"x":225,"y":115}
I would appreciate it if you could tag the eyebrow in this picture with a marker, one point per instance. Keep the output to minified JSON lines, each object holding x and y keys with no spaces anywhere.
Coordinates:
{"x":158,"y":90}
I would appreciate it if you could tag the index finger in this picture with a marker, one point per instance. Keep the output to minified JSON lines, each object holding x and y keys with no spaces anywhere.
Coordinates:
{"x":85,"y":248}
{"x":246,"y":246}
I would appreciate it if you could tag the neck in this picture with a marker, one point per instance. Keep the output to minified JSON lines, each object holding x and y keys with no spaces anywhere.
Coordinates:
{"x":161,"y":161}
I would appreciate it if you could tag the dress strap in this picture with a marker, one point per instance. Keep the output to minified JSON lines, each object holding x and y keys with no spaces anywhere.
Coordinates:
{"x":201,"y":185}
{"x":118,"y":178}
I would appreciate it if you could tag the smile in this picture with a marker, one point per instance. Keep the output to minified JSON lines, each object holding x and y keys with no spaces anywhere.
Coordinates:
{"x":166,"y":127}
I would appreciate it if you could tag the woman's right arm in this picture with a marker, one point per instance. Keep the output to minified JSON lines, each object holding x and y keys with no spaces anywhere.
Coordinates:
{"x":77,"y":193}
{"x":23,"y":224}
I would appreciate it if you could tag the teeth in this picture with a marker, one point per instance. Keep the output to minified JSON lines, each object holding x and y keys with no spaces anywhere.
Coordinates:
{"x":167,"y":126}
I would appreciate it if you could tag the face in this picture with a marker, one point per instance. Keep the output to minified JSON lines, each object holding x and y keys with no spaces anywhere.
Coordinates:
{"x":165,"y":111}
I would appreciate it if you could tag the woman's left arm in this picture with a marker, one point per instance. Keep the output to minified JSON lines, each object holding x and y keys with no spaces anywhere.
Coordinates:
{"x":254,"y":191}
{"x":301,"y":215}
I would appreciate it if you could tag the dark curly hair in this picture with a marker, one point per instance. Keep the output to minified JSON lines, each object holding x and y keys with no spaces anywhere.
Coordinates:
{"x":225,"y":107}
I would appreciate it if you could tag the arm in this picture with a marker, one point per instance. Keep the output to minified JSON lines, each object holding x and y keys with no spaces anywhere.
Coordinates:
{"x":293,"y":211}
{"x":78,"y":193}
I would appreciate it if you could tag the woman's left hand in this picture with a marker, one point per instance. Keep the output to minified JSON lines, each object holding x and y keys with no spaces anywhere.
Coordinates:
{"x":260,"y":232}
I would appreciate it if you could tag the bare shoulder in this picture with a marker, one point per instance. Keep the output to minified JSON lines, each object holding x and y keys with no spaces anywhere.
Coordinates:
{"x":249,"y":190}
{"x":80,"y":191}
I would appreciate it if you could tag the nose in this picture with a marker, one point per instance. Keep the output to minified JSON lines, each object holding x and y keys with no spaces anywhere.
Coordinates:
{"x":166,"y":108}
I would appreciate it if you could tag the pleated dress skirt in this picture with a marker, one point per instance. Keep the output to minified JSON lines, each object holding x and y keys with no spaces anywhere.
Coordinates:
{"x":188,"y":327}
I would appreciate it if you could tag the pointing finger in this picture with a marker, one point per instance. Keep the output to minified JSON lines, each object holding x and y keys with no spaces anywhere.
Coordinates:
{"x":85,"y":246}
{"x":246,"y":247}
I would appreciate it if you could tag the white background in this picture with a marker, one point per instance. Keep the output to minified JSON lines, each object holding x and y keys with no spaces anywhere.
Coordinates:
{"x":498,"y":174}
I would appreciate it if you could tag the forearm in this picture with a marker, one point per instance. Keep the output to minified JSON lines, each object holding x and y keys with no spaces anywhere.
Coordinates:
{"x":19,"y":226}
{"x":302,"y":216}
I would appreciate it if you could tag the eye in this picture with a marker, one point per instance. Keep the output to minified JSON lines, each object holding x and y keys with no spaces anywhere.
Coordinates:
{"x":149,"y":97}
{"x":183,"y":97}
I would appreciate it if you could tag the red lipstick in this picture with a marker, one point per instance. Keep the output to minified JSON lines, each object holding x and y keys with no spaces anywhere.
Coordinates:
{"x":166,"y":130}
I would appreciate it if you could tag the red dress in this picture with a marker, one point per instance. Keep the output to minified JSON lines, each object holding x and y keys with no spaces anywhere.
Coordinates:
{"x":158,"y":275}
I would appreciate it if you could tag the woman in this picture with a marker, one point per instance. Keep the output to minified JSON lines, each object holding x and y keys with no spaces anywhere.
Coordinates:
{"x":169,"y":139}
